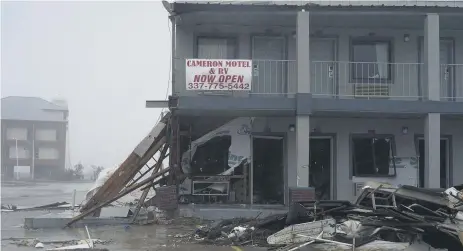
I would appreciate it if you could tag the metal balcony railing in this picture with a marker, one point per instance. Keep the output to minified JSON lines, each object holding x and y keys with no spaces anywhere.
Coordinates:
{"x":338,"y":79}
{"x":451,"y":82}
{"x":274,"y":77}
{"x":366,"y":80}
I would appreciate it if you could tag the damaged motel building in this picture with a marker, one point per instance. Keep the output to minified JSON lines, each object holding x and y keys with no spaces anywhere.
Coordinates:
{"x":275,"y":102}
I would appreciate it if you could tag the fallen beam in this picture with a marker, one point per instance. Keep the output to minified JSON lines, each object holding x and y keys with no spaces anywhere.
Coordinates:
{"x":121,"y":177}
{"x":142,"y":153}
{"x":120,"y":195}
{"x":155,"y":171}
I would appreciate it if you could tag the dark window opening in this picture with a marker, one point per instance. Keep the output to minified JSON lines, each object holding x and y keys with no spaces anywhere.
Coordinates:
{"x":373,"y":156}
{"x":211,"y":158}
{"x":371,"y":61}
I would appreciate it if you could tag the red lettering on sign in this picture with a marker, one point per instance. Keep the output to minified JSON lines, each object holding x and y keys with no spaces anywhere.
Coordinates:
{"x":237,"y":63}
{"x":204,"y":63}
{"x":204,"y":78}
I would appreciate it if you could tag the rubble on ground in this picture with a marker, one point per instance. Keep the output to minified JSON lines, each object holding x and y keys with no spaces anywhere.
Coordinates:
{"x":383,"y":218}
{"x":33,"y":242}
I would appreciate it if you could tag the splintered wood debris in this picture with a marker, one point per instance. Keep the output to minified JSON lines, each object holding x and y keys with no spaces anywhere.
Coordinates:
{"x":123,"y":181}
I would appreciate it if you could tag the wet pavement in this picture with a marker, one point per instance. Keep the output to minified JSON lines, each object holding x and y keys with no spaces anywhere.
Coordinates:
{"x":122,"y":237}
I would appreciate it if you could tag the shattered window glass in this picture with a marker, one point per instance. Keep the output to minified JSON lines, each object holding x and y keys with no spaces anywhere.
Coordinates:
{"x":372,"y":156}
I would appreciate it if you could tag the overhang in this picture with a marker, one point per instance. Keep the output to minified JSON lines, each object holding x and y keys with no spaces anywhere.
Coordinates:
{"x":306,"y":104}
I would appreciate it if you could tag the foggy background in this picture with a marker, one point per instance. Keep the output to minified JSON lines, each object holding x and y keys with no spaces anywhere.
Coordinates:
{"x":105,"y":58}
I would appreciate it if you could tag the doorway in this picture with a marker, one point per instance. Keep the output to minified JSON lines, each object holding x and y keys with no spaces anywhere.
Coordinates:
{"x":323,"y":72}
{"x":444,"y":161}
{"x":269,"y":65}
{"x":321,"y":163}
{"x":268,"y":170}
{"x":447,"y":87}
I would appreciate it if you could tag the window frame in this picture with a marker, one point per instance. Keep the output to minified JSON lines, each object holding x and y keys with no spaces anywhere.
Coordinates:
{"x":24,"y":131}
{"x":370,"y":136}
{"x":232,"y":39}
{"x":12,"y":149}
{"x":38,"y":133}
{"x":40,"y":149}
{"x":371,"y":41}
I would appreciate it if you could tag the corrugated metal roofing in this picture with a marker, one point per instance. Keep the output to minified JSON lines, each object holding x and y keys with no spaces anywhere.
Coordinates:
{"x":364,"y":3}
{"x":31,"y":108}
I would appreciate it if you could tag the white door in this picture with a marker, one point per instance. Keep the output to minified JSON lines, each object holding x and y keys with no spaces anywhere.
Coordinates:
{"x":446,"y":71}
{"x":323,"y":68}
{"x":269,"y":66}
{"x":447,"y":89}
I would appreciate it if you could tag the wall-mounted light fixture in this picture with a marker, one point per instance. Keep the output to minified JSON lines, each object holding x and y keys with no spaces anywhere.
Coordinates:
{"x":406,"y":37}
{"x":292,"y":128}
{"x":404,"y":130}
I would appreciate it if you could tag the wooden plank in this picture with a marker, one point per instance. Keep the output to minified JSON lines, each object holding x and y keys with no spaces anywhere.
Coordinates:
{"x":121,"y":176}
{"x":122,"y":194}
{"x":127,"y":170}
{"x":145,"y":192}
{"x":174,"y":159}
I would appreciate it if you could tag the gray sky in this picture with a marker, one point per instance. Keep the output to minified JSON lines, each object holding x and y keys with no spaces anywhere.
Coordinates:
{"x":104,"y":58}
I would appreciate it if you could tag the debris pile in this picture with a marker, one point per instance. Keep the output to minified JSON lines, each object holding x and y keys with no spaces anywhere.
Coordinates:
{"x":241,"y":231}
{"x":383,"y":218}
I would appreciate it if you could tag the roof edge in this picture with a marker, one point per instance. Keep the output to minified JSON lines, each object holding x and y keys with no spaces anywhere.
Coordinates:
{"x":182,"y":7}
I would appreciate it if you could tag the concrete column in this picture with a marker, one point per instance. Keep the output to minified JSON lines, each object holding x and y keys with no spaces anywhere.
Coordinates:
{"x":432,"y":151}
{"x":432,"y":55}
{"x":303,"y":52}
{"x":302,"y":150}
{"x":303,"y":86}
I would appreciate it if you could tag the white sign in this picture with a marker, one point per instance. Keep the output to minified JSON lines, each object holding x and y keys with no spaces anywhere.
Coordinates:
{"x":218,"y":74}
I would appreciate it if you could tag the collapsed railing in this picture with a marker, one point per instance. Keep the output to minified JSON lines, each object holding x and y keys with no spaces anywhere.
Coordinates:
{"x":123,"y":181}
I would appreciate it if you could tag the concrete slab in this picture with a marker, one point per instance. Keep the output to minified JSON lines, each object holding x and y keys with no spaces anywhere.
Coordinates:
{"x":59,"y":220}
{"x":214,"y":212}
{"x":120,"y":212}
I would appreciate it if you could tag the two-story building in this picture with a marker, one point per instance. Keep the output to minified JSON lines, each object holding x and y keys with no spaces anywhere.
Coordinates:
{"x":339,"y":92}
{"x":33,"y":137}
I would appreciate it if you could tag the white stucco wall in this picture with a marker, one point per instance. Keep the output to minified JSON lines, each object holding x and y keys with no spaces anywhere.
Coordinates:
{"x":343,"y":127}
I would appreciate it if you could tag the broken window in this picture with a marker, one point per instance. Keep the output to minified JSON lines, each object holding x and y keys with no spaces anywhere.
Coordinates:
{"x":373,"y":156}
{"x":211,"y":158}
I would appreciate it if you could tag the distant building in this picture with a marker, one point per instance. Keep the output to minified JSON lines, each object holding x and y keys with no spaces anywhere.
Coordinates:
{"x":34,"y":136}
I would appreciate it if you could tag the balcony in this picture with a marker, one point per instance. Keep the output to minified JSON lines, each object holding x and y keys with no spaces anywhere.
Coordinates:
{"x":397,"y":81}
{"x":451,"y":82}
{"x":336,"y":79}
